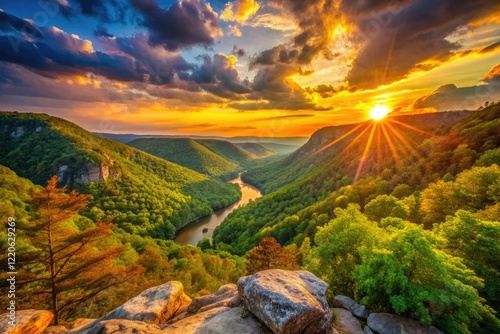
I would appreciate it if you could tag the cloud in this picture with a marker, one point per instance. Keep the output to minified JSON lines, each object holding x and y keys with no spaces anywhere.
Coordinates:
{"x":408,"y":36}
{"x":451,"y":97}
{"x":323,"y":90}
{"x":493,"y":75}
{"x":272,"y":21}
{"x":240,"y":10}
{"x":238,"y":52}
{"x":218,"y":76}
{"x":234,"y":31}
{"x":186,"y":23}
{"x":490,"y":48}
{"x":11,"y":23}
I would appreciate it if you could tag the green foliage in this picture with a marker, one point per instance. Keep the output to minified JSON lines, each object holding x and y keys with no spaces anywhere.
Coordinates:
{"x":156,"y":261}
{"x":340,"y":244}
{"x":478,"y":243}
{"x":408,"y":275}
{"x":188,"y":153}
{"x":310,"y":182}
{"x":144,"y":194}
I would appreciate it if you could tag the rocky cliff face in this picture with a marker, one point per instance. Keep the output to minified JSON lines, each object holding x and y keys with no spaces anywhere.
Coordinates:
{"x":269,"y":302}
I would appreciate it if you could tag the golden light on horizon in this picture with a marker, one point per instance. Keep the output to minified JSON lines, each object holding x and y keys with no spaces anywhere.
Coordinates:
{"x":379,"y":111}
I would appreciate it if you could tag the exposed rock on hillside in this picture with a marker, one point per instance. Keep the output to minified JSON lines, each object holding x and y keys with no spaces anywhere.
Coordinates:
{"x":385,"y":323}
{"x":358,"y":310}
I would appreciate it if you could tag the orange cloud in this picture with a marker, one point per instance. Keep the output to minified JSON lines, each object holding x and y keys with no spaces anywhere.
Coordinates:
{"x":240,"y":11}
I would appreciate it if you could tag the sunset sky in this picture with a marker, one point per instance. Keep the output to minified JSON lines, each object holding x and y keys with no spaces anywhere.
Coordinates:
{"x":245,"y":67}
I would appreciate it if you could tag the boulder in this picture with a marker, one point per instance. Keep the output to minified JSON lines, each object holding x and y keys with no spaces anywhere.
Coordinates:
{"x":231,"y":322}
{"x":349,"y":304}
{"x":290,"y":302}
{"x":79,"y":323}
{"x":27,"y":322}
{"x":55,"y":330}
{"x":226,"y":296}
{"x":347,"y":321}
{"x":155,"y":305}
{"x":123,"y":326}
{"x":385,"y":323}
{"x":367,"y":330}
{"x":190,"y":325}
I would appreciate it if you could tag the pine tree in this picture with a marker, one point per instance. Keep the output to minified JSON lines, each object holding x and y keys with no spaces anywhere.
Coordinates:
{"x":69,"y":266}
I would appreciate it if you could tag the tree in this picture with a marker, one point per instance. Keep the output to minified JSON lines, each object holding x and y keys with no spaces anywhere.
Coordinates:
{"x":270,"y":255}
{"x":408,"y":275}
{"x":478,"y":243}
{"x":339,"y":247}
{"x":67,"y":266}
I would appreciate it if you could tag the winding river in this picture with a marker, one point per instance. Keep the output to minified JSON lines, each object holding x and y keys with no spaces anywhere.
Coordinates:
{"x":193,"y":232}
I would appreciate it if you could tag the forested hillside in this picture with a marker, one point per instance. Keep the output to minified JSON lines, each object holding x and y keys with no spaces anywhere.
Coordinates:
{"x":256,"y":149}
{"x":150,"y":262}
{"x":403,"y":215}
{"x":328,"y":172}
{"x":188,"y":153}
{"x":144,"y":194}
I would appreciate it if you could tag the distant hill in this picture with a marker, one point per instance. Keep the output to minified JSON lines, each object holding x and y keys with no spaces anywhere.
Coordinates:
{"x":294,"y":141}
{"x":146,"y":195}
{"x":256,"y":149}
{"x":188,"y":153}
{"x":281,"y":148}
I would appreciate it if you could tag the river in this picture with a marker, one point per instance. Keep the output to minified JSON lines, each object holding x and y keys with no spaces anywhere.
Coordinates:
{"x":193,"y":232}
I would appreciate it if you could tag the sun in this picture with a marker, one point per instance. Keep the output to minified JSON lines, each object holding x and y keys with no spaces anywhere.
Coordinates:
{"x":379,"y":111}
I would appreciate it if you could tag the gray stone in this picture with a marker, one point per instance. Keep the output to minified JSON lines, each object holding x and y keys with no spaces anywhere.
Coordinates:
{"x":367,"y":330}
{"x":226,"y":296}
{"x":347,"y":321}
{"x":27,"y":322}
{"x":349,"y":304}
{"x":123,"y":326}
{"x":291,"y":302}
{"x":155,"y":305}
{"x":231,"y":322}
{"x":190,"y":325}
{"x":385,"y":323}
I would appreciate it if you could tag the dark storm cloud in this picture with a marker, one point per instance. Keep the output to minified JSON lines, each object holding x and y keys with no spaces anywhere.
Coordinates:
{"x":217,"y":76}
{"x":107,"y":11}
{"x":184,"y":24}
{"x":60,"y":54}
{"x":11,"y":23}
{"x":128,"y":59}
{"x":407,"y":36}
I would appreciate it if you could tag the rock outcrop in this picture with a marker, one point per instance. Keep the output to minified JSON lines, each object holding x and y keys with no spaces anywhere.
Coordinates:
{"x":385,"y":323}
{"x":358,"y":310}
{"x":347,"y":321}
{"x":27,"y":322}
{"x":291,"y":302}
{"x":226,"y":296}
{"x":125,"y":327}
{"x":156,"y":305}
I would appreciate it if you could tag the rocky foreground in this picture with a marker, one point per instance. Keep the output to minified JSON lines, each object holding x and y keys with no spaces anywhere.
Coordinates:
{"x":271,"y":301}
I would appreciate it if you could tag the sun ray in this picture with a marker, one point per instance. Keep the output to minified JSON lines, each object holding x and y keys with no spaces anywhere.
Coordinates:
{"x":409,"y":149}
{"x":412,"y":128}
{"x":365,"y":152}
{"x":340,"y":138}
{"x":355,"y":139}
{"x":390,"y":143}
